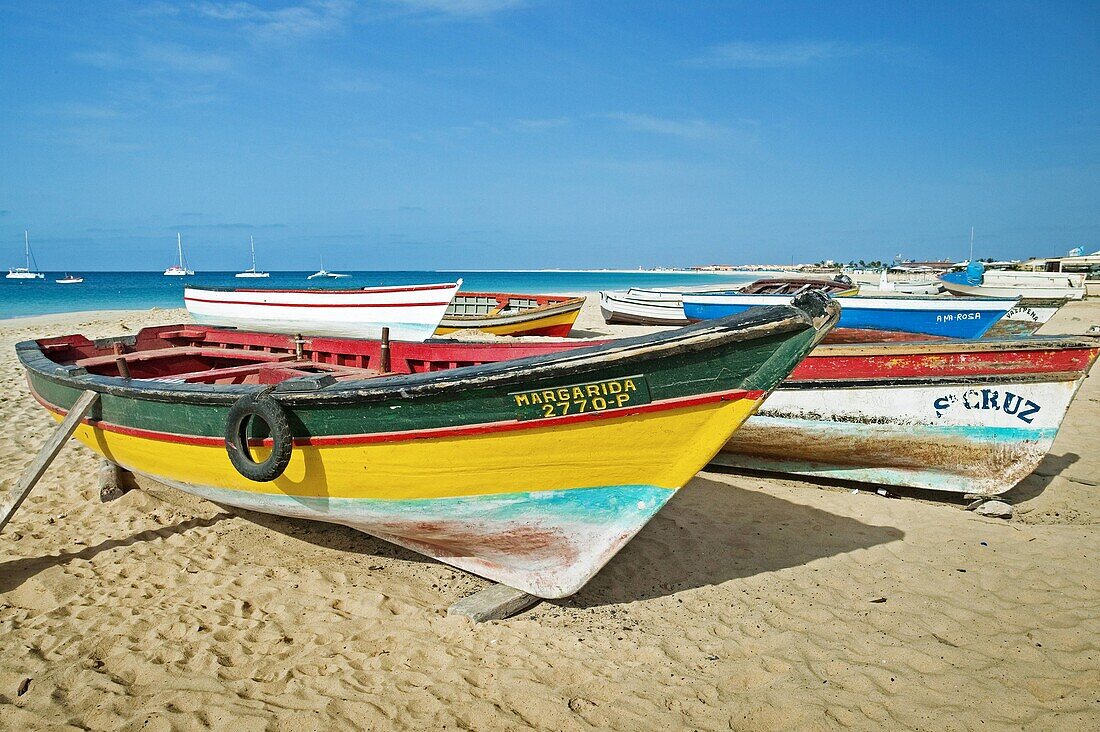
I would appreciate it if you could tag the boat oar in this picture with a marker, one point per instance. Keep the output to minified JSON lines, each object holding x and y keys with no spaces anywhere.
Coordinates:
{"x":14,"y":498}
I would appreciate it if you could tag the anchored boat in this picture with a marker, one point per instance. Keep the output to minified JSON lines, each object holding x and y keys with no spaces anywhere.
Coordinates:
{"x":532,"y":472}
{"x":412,"y":313}
{"x":511,"y":314}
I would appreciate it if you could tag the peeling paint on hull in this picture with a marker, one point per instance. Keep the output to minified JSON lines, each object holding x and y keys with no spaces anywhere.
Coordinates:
{"x":547,"y":543}
{"x":967,"y":438}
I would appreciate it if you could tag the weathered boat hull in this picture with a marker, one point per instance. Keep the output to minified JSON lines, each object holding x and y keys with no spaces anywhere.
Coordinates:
{"x":511,"y":314}
{"x":532,"y":472}
{"x":619,"y":308}
{"x":411,"y":313}
{"x":934,"y":316}
{"x":970,"y":418}
{"x":961,"y":290}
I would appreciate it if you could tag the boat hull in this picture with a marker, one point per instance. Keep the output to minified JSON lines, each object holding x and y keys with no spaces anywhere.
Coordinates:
{"x":411,"y":313}
{"x":480,"y":504}
{"x":1021,"y":290}
{"x":546,"y":316}
{"x":974,"y":421}
{"x":532,"y":472}
{"x":617,"y":308}
{"x":942,"y":317}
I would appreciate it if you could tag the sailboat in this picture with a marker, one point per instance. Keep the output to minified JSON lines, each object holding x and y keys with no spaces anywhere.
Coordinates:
{"x":324,"y":273}
{"x":251,"y":272}
{"x":25,"y":273}
{"x":178,"y":270}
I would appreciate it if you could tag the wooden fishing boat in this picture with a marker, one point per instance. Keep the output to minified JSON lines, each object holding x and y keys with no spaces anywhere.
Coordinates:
{"x":836,"y":286}
{"x":412,"y":312}
{"x":909,"y":286}
{"x":879,"y":317}
{"x":641,"y":306}
{"x":968,"y":417}
{"x":638,"y":306}
{"x":511,"y":314}
{"x":976,"y":281}
{"x":532,"y":472}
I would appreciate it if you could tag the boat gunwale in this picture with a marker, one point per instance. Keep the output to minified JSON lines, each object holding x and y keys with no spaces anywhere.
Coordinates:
{"x":546,"y":310}
{"x":330,"y":291}
{"x":750,"y":325}
{"x":993,"y":303}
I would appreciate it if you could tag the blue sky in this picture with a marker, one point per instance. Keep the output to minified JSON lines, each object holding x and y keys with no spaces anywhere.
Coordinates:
{"x":412,"y":134}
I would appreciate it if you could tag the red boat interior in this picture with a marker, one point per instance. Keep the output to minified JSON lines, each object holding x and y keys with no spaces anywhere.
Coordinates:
{"x":197,"y":354}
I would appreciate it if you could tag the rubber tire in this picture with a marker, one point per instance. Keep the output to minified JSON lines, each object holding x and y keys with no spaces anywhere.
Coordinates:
{"x":265,"y":408}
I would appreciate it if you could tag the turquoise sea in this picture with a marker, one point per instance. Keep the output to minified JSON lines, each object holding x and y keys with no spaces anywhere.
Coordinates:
{"x":143,"y":290}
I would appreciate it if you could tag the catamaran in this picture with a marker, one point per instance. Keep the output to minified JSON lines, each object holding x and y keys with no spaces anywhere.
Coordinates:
{"x":251,"y":272}
{"x":324,"y":273}
{"x":178,"y":270}
{"x":25,"y":273}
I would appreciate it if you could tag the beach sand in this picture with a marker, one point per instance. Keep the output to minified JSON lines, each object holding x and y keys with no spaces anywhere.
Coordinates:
{"x":748,"y":603}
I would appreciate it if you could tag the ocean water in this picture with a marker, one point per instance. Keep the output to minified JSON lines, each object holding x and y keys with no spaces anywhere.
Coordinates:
{"x":143,"y":290}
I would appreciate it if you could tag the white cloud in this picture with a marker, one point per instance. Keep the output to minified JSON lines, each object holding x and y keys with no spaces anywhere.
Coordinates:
{"x":80,"y":110}
{"x":295,"y":21}
{"x":542,"y":124}
{"x":689,"y":129}
{"x":748,"y":55}
{"x":459,"y":8}
{"x":165,"y":56}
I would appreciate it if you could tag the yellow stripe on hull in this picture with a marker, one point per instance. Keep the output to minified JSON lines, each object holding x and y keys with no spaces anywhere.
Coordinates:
{"x":509,"y":328}
{"x":663,"y":449}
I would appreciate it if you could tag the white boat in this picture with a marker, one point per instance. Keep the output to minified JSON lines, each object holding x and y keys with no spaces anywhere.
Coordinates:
{"x":25,"y":273}
{"x":913,"y":287}
{"x":967,"y":417}
{"x":656,"y":306}
{"x":179,"y":270}
{"x":976,"y":281}
{"x":251,"y":272}
{"x":68,"y":279}
{"x":325,"y":273}
{"x":411,"y":312}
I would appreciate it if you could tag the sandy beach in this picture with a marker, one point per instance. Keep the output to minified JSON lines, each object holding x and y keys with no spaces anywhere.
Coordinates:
{"x":748,"y":603}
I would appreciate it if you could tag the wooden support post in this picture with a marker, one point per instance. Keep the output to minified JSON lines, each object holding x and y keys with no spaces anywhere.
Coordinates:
{"x":112,"y":481}
{"x":120,"y":361}
{"x":384,"y":351}
{"x":496,"y":602}
{"x":14,"y":498}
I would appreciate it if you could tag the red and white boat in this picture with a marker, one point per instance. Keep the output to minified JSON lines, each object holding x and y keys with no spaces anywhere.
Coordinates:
{"x":411,"y":312}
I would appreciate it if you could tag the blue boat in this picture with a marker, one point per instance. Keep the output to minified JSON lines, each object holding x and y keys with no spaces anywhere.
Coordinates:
{"x":946,"y":317}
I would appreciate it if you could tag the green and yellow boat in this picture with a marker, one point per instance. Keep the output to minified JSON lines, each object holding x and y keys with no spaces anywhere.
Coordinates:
{"x":529,"y":468}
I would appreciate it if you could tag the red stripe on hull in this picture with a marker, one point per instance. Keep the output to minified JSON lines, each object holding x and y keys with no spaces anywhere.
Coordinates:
{"x":461,"y":431}
{"x":824,"y":367}
{"x":321,"y":305}
{"x":410,"y":288}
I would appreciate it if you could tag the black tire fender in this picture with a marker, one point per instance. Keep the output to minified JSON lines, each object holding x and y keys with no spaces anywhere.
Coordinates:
{"x":261,"y":406}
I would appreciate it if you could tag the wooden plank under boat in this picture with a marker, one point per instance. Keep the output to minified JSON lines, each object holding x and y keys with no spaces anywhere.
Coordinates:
{"x":532,"y":472}
{"x":967,"y":417}
{"x":411,"y":312}
{"x":513,"y":314}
